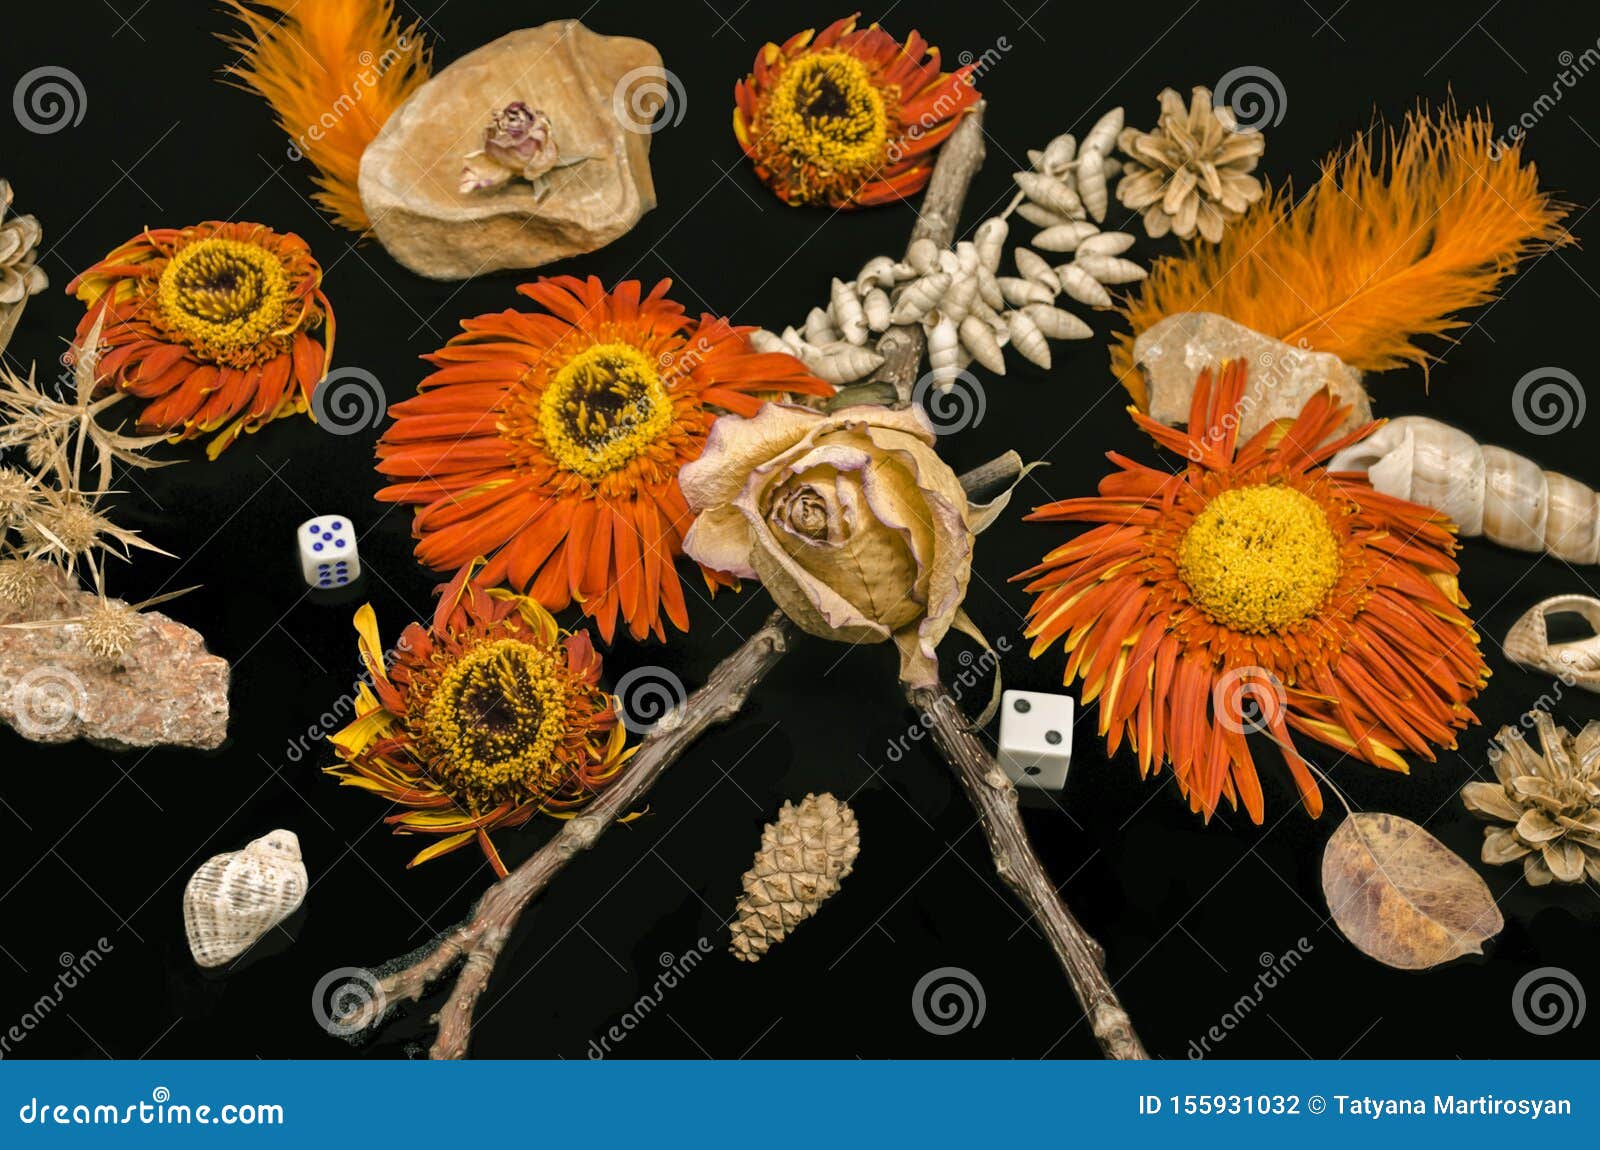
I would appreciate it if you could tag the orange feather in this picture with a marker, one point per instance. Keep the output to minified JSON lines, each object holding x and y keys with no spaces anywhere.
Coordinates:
{"x":1387,"y":246}
{"x":334,"y":71}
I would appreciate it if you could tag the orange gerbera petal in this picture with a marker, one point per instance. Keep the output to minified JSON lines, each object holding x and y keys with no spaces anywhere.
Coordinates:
{"x":1256,"y":592}
{"x":551,"y":443}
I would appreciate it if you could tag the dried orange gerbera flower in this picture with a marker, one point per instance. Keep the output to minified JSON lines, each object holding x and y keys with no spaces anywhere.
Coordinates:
{"x":551,"y":443}
{"x":213,"y":325}
{"x":480,"y":721}
{"x":1255,"y":590}
{"x":848,"y":118}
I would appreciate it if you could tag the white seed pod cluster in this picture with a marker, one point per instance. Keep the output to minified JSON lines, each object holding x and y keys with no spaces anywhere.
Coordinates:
{"x":970,"y":304}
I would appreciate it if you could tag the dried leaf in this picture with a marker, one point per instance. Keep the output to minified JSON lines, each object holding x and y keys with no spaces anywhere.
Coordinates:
{"x":1403,"y":897}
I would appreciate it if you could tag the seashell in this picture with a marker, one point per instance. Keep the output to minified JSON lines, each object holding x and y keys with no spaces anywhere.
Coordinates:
{"x":1050,"y":194}
{"x":1028,"y":339}
{"x":990,"y":240}
{"x":235,"y":898}
{"x":1036,"y":158}
{"x":922,"y":255}
{"x":847,"y":312}
{"x":1067,"y":237}
{"x":1033,"y":266}
{"x":764,"y":341}
{"x":944,"y":350}
{"x":795,"y":342}
{"x":989,"y":289}
{"x":950,"y":262}
{"x":1058,"y":153}
{"x":875,"y":306}
{"x":1042,"y":217}
{"x":979,"y":339}
{"x":1102,"y":138}
{"x":957,"y":302}
{"x":967,"y":258}
{"x":1109,"y":269}
{"x":920,"y":296}
{"x":1487,"y":490}
{"x":1018,"y":292}
{"x":841,"y":362}
{"x":1092,"y":184}
{"x":1103,"y":244}
{"x":876,"y":272}
{"x":819,"y":327}
{"x":1056,"y":323}
{"x":1576,"y":661}
{"x":1081,"y":286}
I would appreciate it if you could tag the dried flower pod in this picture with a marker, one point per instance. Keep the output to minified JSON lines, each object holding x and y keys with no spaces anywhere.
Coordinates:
{"x":943,"y":349}
{"x":1104,"y":244}
{"x":1018,"y":292}
{"x":978,"y":338}
{"x":1081,"y":286}
{"x":1034,"y":267}
{"x":1092,"y":184}
{"x":1065,"y":237}
{"x":1028,"y":339}
{"x":842,"y":362}
{"x":1103,"y":136}
{"x":1058,"y":153}
{"x":990,"y":240}
{"x":923,"y":255}
{"x":1042,"y":217}
{"x":847,"y":312}
{"x":1050,"y":194}
{"x":875,"y":306}
{"x":1057,"y":323}
{"x":804,"y":856}
{"x":876,"y":272}
{"x":920,"y":296}
{"x":1109,"y":269}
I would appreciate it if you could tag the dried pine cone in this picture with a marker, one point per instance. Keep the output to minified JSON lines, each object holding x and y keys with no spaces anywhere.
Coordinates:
{"x":1192,"y":171}
{"x":1551,"y":799}
{"x":20,"y":276}
{"x":803,"y":858}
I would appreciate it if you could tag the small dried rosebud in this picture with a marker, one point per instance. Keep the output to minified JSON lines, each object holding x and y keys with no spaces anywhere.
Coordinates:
{"x":521,"y":138}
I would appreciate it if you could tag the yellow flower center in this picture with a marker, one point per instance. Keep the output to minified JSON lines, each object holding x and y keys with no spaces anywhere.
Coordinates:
{"x":825,"y":110}
{"x":1259,"y":558}
{"x":495,"y":721}
{"x":606,"y":405}
{"x":224,"y":295}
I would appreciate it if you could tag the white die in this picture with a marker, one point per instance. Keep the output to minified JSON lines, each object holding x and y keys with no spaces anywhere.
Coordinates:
{"x":1036,"y":738}
{"x":328,"y":551}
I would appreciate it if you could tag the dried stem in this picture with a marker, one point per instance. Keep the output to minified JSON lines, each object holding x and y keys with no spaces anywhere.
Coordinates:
{"x":995,"y":800}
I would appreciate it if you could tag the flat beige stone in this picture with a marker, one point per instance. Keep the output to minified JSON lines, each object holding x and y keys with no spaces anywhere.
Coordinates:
{"x":410,"y":174}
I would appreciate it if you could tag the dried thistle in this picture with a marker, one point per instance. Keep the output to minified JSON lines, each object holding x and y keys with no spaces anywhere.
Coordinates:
{"x":20,"y":580}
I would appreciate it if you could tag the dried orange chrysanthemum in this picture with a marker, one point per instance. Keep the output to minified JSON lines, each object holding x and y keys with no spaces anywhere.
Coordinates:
{"x":1255,"y":590}
{"x":219,"y":327}
{"x":482,"y":720}
{"x":551,"y":443}
{"x":848,"y":118}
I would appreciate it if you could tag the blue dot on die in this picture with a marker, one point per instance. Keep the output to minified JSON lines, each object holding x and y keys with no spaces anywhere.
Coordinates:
{"x":338,"y":542}
{"x":335,"y":525}
{"x":316,"y":547}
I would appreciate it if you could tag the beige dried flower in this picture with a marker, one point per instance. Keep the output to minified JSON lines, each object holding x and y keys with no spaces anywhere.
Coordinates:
{"x":109,"y":629}
{"x":1191,"y":172}
{"x":20,"y":580}
{"x":19,"y":493}
{"x":20,"y":274}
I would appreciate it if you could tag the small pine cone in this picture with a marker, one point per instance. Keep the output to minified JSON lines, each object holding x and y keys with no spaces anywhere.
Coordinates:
{"x":803,"y":858}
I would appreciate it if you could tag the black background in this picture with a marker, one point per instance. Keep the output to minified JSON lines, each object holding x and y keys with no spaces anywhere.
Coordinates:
{"x":96,"y":844}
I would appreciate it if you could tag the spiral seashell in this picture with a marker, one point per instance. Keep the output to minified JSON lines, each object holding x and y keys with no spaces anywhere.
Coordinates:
{"x":957,"y":302}
{"x":989,"y":289}
{"x":876,"y":272}
{"x":1058,"y":153}
{"x":1575,"y":661}
{"x":1081,"y":286}
{"x":841,"y":362}
{"x":819,"y":328}
{"x":923,"y":255}
{"x":767,"y":343}
{"x":1056,"y":323}
{"x":1102,"y":244}
{"x":944,"y":350}
{"x":1092,"y":184}
{"x":967,"y":258}
{"x":235,"y":898}
{"x":875,"y":306}
{"x":1109,"y":269}
{"x":1042,"y":217}
{"x":1028,"y":339}
{"x":979,"y":339}
{"x":1050,"y":194}
{"x":795,"y":342}
{"x":1018,"y":292}
{"x":1486,"y":490}
{"x":1067,"y":237}
{"x":990,"y":240}
{"x":920,"y":296}
{"x":1102,"y":138}
{"x":1034,"y":267}
{"x":847,"y":312}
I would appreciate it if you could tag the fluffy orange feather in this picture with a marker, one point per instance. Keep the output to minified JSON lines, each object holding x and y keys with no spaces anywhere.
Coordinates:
{"x":1387,"y":246}
{"x":333,"y":71}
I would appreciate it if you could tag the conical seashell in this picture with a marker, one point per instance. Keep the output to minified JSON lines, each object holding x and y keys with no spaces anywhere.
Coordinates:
{"x":842,"y":362}
{"x":1109,"y":269}
{"x":990,"y":240}
{"x":1092,"y":184}
{"x":943,"y":350}
{"x":1058,"y":153}
{"x":1576,"y":661}
{"x":1102,"y":138}
{"x":1081,"y":286}
{"x":876,"y":272}
{"x":923,"y":255}
{"x":1018,"y":292}
{"x":989,"y":289}
{"x":1067,"y":237}
{"x":919,"y":296}
{"x":875,"y":306}
{"x":978,"y":338}
{"x":1102,"y":244}
{"x":819,"y":328}
{"x":957,"y":302}
{"x":767,"y":343}
{"x":1056,"y":323}
{"x":1033,"y":266}
{"x":847,"y":312}
{"x":968,"y":261}
{"x":1028,"y":339}
{"x":1042,"y":217}
{"x":795,"y":342}
{"x":235,"y":898}
{"x":1050,"y":193}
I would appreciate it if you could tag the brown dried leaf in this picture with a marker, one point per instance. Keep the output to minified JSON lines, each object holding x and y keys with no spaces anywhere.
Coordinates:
{"x":1402,"y":896}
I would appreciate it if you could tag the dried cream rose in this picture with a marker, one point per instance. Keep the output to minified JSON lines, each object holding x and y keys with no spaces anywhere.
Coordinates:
{"x":851,"y":521}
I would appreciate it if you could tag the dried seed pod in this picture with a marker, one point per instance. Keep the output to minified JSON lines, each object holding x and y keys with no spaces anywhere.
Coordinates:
{"x":1081,"y":286}
{"x":876,"y":272}
{"x":767,"y":343}
{"x":1042,"y":217}
{"x":1018,"y":292}
{"x":1058,"y":153}
{"x":1103,"y":244}
{"x":1028,"y":339}
{"x":943,"y":349}
{"x":957,"y":302}
{"x":1056,"y":323}
{"x":1033,"y":266}
{"x":923,"y":255}
{"x":819,"y":327}
{"x":919,"y":296}
{"x":1067,"y":237}
{"x":978,"y":338}
{"x":1092,"y":184}
{"x":841,"y":362}
{"x":847,"y":312}
{"x":1050,"y":194}
{"x":989,"y":289}
{"x":1109,"y":269}
{"x":875,"y":306}
{"x":1102,"y":138}
{"x":990,"y":240}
